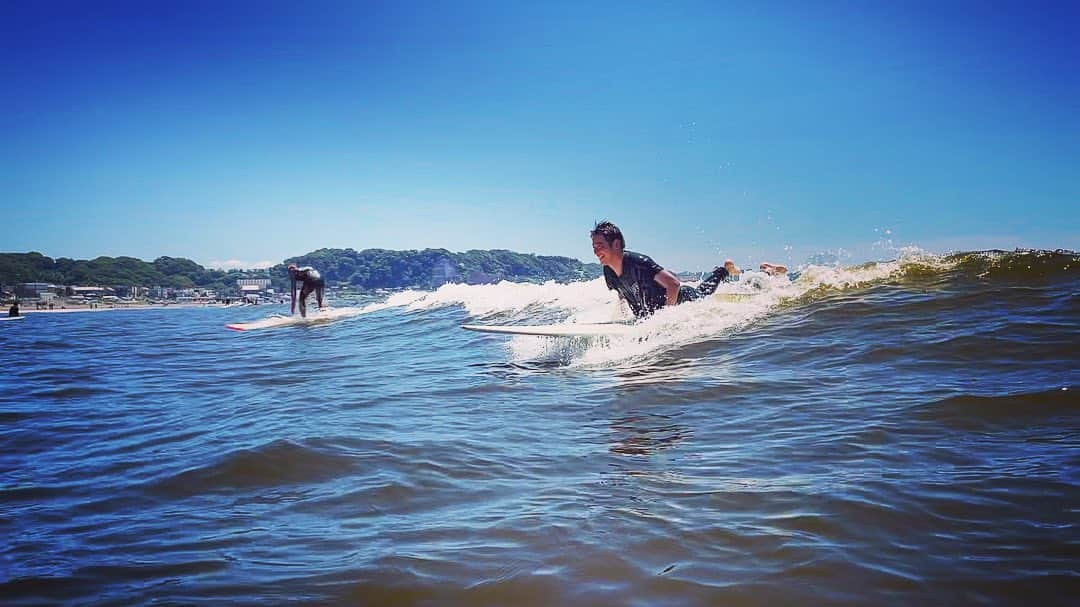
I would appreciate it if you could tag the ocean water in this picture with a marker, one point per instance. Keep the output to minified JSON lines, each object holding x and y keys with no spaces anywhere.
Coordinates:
{"x":888,"y":434}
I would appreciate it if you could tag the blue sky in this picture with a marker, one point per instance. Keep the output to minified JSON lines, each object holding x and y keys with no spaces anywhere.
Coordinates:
{"x":754,"y":130}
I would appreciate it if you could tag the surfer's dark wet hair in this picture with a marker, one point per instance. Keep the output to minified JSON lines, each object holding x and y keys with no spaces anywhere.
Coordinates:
{"x":609,"y":231}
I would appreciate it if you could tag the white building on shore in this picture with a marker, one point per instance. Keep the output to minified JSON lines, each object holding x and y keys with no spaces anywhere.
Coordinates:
{"x":253,"y":289}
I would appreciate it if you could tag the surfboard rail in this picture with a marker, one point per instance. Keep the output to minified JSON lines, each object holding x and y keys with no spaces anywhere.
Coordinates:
{"x":280,"y":320}
{"x":557,"y":330}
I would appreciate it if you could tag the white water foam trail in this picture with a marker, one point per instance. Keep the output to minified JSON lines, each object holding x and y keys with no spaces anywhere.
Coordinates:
{"x":734,"y":306}
{"x":584,"y":301}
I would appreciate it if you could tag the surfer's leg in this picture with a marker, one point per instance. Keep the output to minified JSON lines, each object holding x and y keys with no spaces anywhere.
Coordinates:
{"x":304,"y":292}
{"x":708,"y":286}
{"x":730,"y":271}
{"x":319,"y":293}
{"x":688,"y":293}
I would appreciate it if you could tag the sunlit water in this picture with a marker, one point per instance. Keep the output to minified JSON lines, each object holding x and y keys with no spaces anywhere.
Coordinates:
{"x":895,"y":433}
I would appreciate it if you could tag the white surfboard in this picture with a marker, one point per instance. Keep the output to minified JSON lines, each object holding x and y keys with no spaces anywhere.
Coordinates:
{"x":734,"y":297}
{"x":279,"y":320}
{"x":562,"y":330}
{"x":12,"y":317}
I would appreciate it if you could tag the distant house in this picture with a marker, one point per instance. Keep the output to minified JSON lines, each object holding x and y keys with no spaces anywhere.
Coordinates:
{"x":33,"y":290}
{"x":131,"y":292}
{"x":263,"y":284}
{"x":252,"y":289}
{"x":91,"y":292}
{"x":444,"y":271}
{"x":251,"y":293}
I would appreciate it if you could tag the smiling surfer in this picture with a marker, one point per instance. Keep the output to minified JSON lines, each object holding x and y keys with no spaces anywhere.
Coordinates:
{"x":310,"y":280}
{"x":643,"y":284}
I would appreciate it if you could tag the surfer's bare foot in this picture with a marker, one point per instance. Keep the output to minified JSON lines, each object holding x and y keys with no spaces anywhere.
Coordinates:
{"x":773,"y":269}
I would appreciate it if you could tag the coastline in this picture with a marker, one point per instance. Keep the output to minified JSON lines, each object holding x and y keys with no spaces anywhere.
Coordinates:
{"x":86,"y":308}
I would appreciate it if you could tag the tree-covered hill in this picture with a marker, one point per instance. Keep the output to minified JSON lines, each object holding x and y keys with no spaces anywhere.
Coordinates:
{"x":171,"y":272}
{"x":369,"y":268}
{"x":382,"y":268}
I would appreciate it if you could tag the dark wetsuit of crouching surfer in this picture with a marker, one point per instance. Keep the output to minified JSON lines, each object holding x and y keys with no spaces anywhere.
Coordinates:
{"x":311,"y":280}
{"x":641,"y":282}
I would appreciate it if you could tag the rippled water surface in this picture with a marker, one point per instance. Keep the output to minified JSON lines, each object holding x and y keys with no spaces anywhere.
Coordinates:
{"x":879,"y":435}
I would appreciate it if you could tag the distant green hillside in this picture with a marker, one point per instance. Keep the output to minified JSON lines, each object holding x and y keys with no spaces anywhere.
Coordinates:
{"x":382,"y":268}
{"x":177,"y":273}
{"x":370,"y":268}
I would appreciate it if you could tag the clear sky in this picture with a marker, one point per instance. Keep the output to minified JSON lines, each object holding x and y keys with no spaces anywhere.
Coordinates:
{"x":755,"y":130}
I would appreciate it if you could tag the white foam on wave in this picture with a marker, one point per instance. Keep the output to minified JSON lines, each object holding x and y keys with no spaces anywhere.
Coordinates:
{"x":588,"y":299}
{"x":735,"y":305}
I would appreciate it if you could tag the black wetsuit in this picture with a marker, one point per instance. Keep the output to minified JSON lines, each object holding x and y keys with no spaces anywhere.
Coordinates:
{"x":312,"y":281}
{"x":638,"y":287}
{"x":13,"y":310}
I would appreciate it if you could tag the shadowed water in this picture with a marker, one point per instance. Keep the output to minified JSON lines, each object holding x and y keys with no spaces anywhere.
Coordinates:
{"x":890,"y":435}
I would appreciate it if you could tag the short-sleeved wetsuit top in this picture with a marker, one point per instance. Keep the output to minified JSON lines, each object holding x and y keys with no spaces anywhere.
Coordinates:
{"x":308,"y":276}
{"x":637,"y":285}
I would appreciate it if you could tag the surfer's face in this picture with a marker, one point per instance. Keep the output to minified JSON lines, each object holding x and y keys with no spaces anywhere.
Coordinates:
{"x":604,"y":250}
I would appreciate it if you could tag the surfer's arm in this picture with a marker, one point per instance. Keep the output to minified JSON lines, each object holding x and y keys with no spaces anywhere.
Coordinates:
{"x":292,"y":296}
{"x":671,"y":284}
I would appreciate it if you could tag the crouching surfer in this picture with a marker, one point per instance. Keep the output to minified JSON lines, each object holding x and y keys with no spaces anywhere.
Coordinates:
{"x":310,"y":280}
